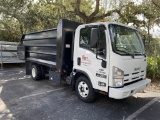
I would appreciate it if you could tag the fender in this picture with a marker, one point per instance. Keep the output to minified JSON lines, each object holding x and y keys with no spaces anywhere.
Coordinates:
{"x":73,"y":77}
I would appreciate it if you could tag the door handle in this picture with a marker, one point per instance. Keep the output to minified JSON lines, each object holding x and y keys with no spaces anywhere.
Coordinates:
{"x":79,"y":61}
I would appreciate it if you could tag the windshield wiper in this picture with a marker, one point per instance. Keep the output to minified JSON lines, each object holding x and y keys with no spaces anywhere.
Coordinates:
{"x":127,"y":53}
{"x":139,"y":53}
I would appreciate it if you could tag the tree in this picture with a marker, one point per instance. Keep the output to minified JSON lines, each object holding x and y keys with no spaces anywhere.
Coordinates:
{"x":15,"y":9}
{"x":85,"y":9}
{"x":156,"y":6}
{"x":129,"y":15}
{"x":9,"y":30}
{"x":142,"y":15}
{"x":27,"y":16}
{"x":19,"y":17}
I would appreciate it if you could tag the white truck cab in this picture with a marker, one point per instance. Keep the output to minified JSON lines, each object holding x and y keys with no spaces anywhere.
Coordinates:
{"x":112,"y":58}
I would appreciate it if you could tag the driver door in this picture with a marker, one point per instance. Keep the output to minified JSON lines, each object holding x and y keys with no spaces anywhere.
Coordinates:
{"x":91,"y":58}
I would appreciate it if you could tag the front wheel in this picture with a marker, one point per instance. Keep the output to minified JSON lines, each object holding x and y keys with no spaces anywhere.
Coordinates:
{"x":84,"y":89}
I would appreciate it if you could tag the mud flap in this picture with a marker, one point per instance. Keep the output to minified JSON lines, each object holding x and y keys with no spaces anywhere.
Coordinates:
{"x":55,"y":76}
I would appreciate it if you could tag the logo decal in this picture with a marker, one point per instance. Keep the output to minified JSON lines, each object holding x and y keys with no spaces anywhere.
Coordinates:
{"x":85,"y":61}
{"x":138,"y":68}
{"x":101,"y":75}
{"x":84,"y":57}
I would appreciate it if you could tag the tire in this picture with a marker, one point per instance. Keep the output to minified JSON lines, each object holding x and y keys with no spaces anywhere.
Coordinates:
{"x":85,"y":90}
{"x":36,"y":73}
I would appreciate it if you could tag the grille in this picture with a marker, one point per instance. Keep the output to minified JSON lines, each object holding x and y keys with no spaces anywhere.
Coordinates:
{"x":133,"y":76}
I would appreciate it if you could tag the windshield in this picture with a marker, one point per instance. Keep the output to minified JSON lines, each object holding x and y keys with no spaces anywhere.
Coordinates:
{"x":126,"y":41}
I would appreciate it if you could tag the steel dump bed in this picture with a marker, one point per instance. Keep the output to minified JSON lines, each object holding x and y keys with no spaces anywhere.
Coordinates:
{"x":52,"y":48}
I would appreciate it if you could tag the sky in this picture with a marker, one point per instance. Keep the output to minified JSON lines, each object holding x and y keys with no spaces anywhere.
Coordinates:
{"x":155,"y":31}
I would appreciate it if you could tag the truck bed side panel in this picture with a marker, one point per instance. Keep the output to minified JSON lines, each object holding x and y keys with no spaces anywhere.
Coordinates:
{"x":41,"y":46}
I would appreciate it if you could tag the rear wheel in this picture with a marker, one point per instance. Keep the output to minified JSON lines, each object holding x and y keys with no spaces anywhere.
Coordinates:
{"x":36,"y":73}
{"x":84,"y":89}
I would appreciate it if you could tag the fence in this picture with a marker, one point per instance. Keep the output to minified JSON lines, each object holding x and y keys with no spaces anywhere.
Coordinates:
{"x":153,"y":53}
{"x":8,"y":53}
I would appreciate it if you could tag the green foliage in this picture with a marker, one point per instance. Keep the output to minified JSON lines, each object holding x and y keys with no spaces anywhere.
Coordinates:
{"x":150,"y":67}
{"x":153,"y":67}
{"x":129,"y":14}
{"x":158,"y":66}
{"x":18,"y":17}
{"x":9,"y":30}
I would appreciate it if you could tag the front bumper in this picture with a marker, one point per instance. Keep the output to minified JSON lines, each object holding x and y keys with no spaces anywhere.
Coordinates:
{"x":126,"y":91}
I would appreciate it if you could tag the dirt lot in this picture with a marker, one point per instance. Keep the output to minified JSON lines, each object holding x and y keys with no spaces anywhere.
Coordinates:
{"x":21,"y":98}
{"x":155,"y":86}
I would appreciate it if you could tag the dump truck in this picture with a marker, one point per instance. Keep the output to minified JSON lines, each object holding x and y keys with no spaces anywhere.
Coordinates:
{"x":102,"y":57}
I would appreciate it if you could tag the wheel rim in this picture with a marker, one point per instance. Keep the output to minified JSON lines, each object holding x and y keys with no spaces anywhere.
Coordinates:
{"x":33,"y":72}
{"x":83,"y":89}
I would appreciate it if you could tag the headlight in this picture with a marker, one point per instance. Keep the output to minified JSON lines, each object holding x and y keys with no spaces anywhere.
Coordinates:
{"x":118,"y":76}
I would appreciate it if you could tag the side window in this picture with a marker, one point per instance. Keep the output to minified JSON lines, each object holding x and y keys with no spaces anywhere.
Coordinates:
{"x":85,"y":37}
{"x":85,"y":40}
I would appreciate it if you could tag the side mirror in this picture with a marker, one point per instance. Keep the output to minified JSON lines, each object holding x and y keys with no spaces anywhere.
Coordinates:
{"x":94,"y":37}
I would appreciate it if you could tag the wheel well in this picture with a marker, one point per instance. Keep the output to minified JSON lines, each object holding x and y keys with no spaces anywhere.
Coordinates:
{"x":78,"y":74}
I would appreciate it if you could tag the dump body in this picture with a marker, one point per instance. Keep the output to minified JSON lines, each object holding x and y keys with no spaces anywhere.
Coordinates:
{"x":52,"y":48}
{"x":41,"y":46}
